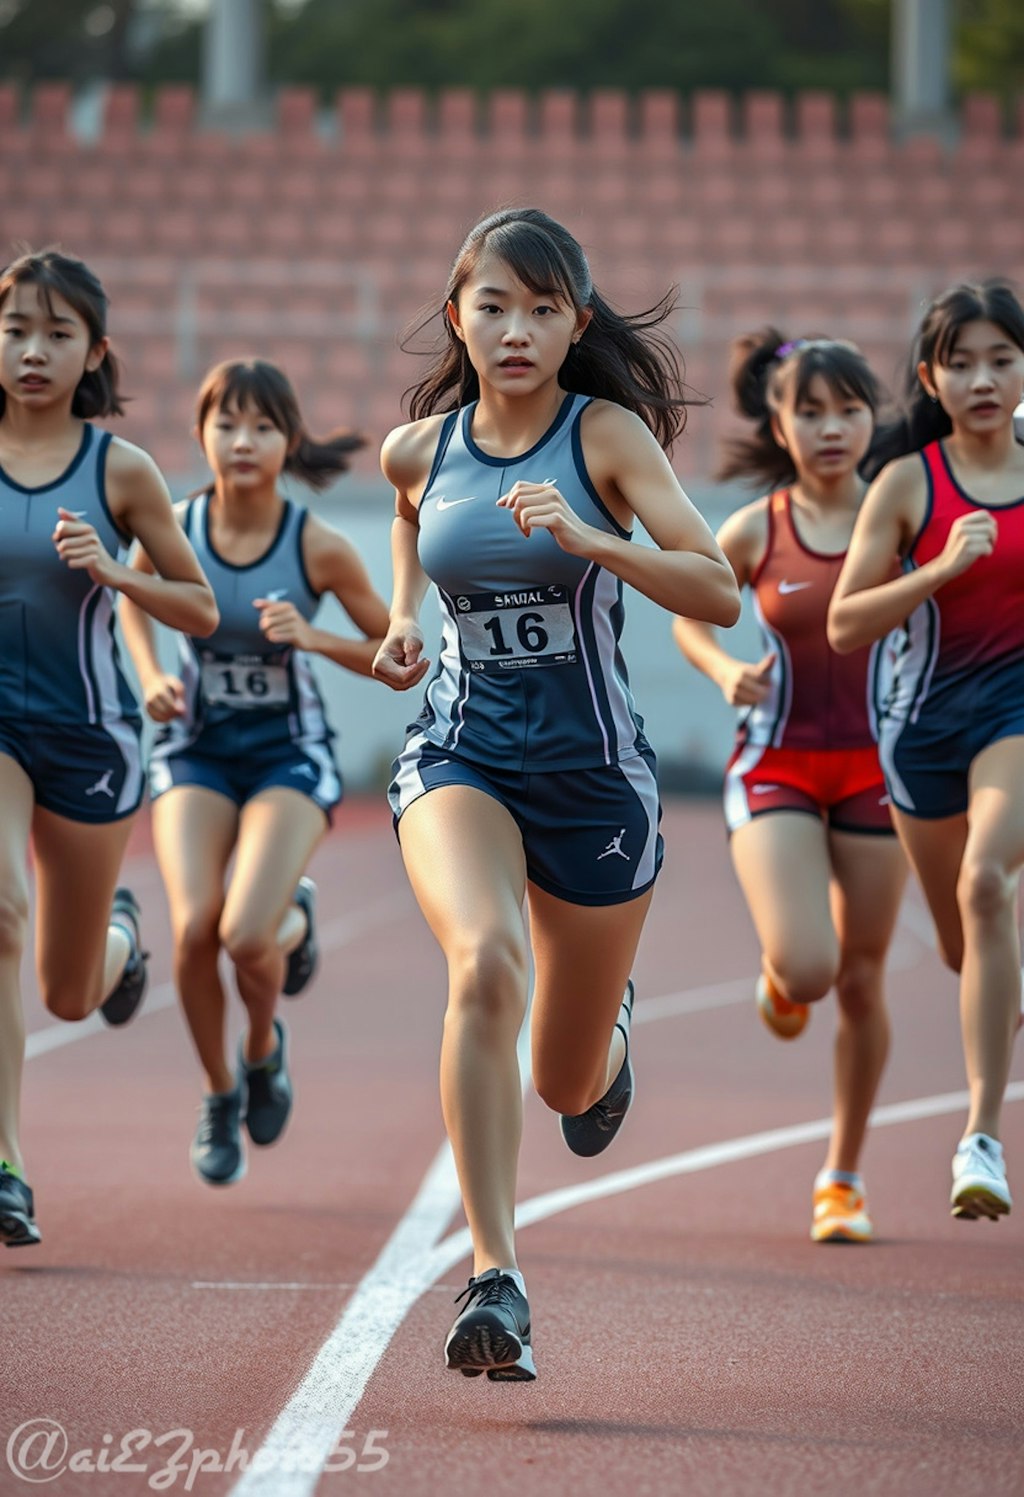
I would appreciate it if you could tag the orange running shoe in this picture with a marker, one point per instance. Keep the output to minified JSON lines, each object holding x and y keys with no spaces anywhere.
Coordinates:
{"x":840,"y":1211}
{"x":783,"y":1018}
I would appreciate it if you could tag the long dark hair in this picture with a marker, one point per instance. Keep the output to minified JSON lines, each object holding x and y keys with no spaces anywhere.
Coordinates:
{"x":241,"y":382}
{"x":54,"y":273}
{"x":765,"y":372}
{"x":619,"y":357}
{"x":924,"y":420}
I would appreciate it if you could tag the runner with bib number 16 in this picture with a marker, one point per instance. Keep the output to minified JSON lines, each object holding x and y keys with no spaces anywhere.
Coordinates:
{"x":538,"y":435}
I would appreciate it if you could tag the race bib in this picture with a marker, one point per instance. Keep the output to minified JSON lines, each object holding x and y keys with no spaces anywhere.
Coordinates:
{"x":516,"y":630}
{"x":245,"y":682}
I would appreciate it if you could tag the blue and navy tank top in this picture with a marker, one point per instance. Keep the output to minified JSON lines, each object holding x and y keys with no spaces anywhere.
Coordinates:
{"x":59,"y":660}
{"x":243,"y":693}
{"x":530,"y":675}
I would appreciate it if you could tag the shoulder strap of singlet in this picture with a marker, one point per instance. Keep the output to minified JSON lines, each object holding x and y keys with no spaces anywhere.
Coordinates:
{"x":777,"y":507}
{"x":934,"y":463}
{"x":299,"y":521}
{"x":443,"y":442}
{"x":102,"y":451}
{"x":188,"y":519}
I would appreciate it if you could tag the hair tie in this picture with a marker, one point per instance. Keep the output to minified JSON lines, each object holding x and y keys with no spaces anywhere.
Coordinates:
{"x":785,"y":349}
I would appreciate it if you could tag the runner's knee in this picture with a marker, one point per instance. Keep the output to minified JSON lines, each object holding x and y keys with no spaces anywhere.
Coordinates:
{"x":804,"y":977}
{"x":487,"y":978}
{"x":859,"y":985}
{"x":198,"y":935}
{"x":247,"y":945}
{"x":985,"y":889}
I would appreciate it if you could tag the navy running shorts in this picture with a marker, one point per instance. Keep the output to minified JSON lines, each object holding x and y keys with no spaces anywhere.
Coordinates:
{"x":590,"y":836}
{"x":88,"y":772}
{"x":310,"y":769}
{"x":927,"y":761}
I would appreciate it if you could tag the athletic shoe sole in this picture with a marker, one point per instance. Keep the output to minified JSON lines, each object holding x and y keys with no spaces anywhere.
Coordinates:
{"x":218,"y":1180}
{"x":16,"y":1230}
{"x":476,"y":1349}
{"x":839,"y":1233}
{"x":971,"y":1201}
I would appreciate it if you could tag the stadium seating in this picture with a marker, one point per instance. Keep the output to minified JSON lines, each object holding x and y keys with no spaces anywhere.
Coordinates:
{"x":316,"y":239}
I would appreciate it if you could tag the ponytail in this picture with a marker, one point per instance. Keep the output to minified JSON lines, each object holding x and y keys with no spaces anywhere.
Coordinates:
{"x":316,"y":462}
{"x":766,"y":372}
{"x":255,"y":382}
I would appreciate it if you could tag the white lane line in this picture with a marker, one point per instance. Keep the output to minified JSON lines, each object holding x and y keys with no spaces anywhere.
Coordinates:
{"x":56,"y":1036}
{"x":311,"y":1423}
{"x":553,"y":1202}
{"x":255,"y":1284}
{"x":331,"y":936}
{"x":271,"y":1284}
{"x":289,"y":1462}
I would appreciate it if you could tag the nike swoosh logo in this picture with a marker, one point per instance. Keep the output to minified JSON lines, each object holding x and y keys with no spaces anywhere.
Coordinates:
{"x":444,"y":503}
{"x":792,"y":587}
{"x":763,"y":789}
{"x":276,"y":595}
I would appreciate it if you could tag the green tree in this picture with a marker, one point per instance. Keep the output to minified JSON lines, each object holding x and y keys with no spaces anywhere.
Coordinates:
{"x":532,"y":44}
{"x":990,"y":46}
{"x":50,"y":39}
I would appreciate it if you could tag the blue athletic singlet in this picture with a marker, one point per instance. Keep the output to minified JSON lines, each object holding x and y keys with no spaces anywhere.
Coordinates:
{"x":59,"y":661}
{"x":530,"y":675}
{"x":243,"y":694}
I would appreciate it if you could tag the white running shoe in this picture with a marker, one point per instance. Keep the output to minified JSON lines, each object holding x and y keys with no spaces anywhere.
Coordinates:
{"x":979,"y":1179}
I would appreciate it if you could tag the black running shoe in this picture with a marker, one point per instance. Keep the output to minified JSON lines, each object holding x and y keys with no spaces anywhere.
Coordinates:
{"x":492,"y":1334}
{"x":126,"y":999}
{"x":217,"y":1154}
{"x":17,"y":1211}
{"x":303,"y":960}
{"x":269,"y":1090}
{"x":590,"y":1132}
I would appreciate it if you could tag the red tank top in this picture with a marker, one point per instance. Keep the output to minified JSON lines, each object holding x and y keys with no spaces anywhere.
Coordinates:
{"x":981,"y":612}
{"x":818,"y":699}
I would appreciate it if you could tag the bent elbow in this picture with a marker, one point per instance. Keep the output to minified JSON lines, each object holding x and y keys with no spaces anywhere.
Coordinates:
{"x":729,"y":607}
{"x":207,"y":617}
{"x":840,"y":636}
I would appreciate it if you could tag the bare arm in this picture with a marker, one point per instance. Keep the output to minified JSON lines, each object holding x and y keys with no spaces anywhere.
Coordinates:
{"x":868,"y":602}
{"x":687,"y":574}
{"x":334,"y":566}
{"x":743,"y":539}
{"x":405,"y":461}
{"x":162,"y":692}
{"x":174,"y":590}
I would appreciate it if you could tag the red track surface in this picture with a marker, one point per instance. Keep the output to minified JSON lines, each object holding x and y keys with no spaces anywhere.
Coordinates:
{"x":688,"y":1335}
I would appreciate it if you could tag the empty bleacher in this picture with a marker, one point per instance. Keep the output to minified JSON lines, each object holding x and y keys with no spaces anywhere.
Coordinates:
{"x":315,"y":242}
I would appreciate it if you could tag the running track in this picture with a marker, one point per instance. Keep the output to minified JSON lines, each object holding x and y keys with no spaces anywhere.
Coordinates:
{"x":688,"y":1335}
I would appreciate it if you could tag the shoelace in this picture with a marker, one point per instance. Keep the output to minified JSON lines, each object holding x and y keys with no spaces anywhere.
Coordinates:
{"x":499,"y":1291}
{"x":215,"y":1120}
{"x":605,"y":1116}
